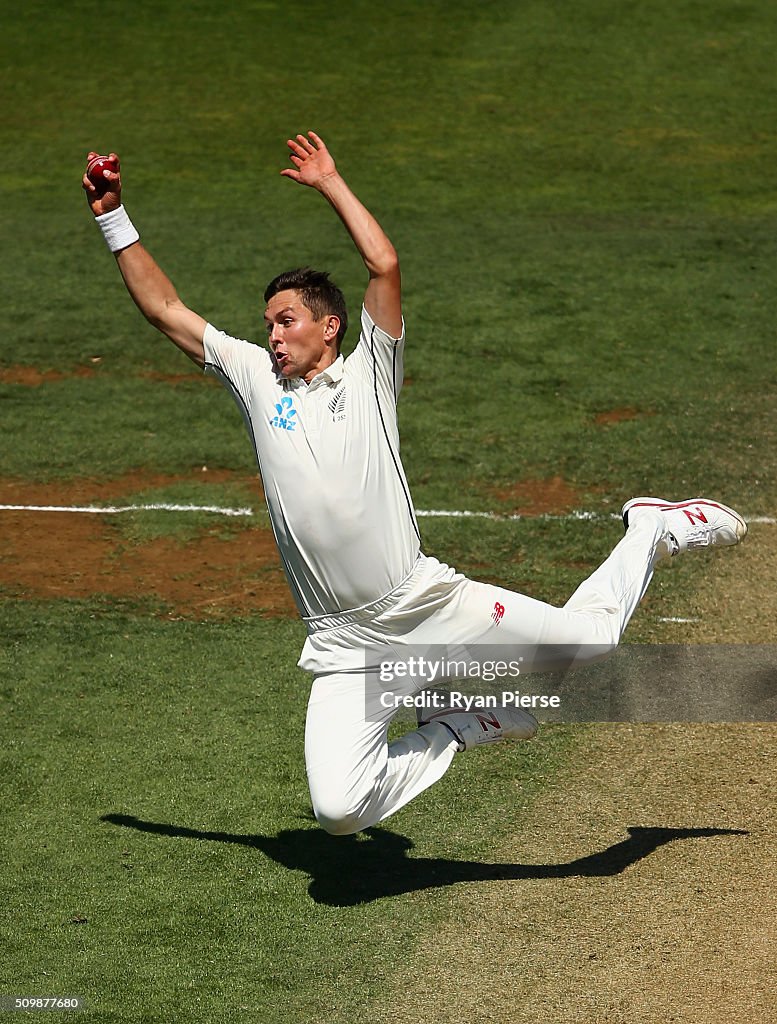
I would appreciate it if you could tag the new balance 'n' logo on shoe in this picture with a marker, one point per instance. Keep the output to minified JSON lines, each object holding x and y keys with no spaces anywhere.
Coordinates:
{"x":694,"y":523}
{"x":487,"y":721}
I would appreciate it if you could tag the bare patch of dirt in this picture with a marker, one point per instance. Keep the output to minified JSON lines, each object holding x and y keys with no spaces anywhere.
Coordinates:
{"x":78,"y":555}
{"x":31,"y":377}
{"x":71,"y":555}
{"x":84,"y":490}
{"x":619,"y":415}
{"x":540,"y":496}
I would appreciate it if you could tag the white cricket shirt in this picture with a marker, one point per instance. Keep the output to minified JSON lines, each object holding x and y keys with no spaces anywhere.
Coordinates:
{"x":328,"y":454}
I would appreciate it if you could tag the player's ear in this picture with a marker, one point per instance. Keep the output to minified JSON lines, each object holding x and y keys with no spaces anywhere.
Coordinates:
{"x":332,"y":327}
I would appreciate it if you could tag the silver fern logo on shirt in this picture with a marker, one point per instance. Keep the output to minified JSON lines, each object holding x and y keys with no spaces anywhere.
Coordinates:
{"x":337,"y":405}
{"x":285,"y":417}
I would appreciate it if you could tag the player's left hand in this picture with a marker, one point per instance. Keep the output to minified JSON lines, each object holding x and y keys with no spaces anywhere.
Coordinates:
{"x":311,"y":159}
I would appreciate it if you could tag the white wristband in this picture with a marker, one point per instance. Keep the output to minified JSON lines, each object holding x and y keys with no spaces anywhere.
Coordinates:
{"x":118,"y":230}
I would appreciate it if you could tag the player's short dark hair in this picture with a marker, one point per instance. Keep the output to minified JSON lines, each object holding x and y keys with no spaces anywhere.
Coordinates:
{"x":318,"y":293}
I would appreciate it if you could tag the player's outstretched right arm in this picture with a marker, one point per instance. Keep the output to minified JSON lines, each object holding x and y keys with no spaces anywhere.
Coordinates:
{"x":150,"y":288}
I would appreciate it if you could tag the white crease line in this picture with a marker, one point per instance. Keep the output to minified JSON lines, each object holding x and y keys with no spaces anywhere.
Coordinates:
{"x":432,"y":513}
{"x":165,"y":507}
{"x":115,"y":509}
{"x":675,"y":618}
{"x":577,"y":515}
{"x":436,"y":513}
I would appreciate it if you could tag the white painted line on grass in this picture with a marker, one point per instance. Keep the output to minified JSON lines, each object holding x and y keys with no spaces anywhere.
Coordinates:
{"x":422,"y":513}
{"x":116,"y":509}
{"x":567,"y":516}
{"x":676,"y":618}
{"x":438,"y":513}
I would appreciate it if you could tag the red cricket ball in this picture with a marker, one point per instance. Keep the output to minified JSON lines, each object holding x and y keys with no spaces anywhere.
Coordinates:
{"x":96,"y":166}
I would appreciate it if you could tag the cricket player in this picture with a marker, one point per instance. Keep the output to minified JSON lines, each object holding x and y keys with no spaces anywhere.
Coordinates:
{"x":324,"y":431}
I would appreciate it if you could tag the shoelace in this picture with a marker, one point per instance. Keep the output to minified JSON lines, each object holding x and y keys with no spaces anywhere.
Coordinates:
{"x":698,"y":537}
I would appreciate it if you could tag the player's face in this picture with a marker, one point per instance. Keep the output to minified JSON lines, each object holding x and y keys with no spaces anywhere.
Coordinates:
{"x":301,"y":346}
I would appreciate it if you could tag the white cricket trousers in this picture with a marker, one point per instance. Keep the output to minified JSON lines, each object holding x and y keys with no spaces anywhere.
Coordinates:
{"x":358,"y":778}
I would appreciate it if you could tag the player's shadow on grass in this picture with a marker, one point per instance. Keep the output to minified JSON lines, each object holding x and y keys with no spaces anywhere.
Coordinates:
{"x":347,"y":870}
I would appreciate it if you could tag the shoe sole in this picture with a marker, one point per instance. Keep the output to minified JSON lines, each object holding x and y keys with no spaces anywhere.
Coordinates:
{"x":667,"y":506}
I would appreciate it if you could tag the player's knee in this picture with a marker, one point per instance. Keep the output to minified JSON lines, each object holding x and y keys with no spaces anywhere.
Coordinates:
{"x":338,"y":819}
{"x":339,"y":824}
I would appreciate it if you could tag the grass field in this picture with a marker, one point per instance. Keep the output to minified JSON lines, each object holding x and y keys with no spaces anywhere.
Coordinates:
{"x":584,"y":201}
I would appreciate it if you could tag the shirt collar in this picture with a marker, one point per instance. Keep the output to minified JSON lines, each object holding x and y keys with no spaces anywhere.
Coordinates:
{"x":331,"y":375}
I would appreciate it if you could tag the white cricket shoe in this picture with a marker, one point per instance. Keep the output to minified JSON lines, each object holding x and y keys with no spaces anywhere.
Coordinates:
{"x":695,"y":523}
{"x":488,"y":725}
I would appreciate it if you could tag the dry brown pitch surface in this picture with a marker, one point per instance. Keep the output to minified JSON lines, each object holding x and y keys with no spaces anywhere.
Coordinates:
{"x":685,"y":934}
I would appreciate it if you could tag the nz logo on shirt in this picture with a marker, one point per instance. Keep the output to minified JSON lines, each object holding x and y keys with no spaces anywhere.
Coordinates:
{"x":337,"y":405}
{"x":285,"y":417}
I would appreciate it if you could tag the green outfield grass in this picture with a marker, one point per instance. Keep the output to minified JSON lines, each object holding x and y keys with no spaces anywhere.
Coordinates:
{"x":159,"y":845}
{"x":584,"y":201}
